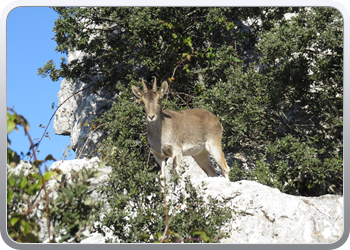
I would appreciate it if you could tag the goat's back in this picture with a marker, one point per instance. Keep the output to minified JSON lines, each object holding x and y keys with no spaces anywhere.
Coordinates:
{"x":192,"y":124}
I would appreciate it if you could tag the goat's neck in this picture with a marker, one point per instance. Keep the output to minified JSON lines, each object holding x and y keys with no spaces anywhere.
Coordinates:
{"x":155,"y":128}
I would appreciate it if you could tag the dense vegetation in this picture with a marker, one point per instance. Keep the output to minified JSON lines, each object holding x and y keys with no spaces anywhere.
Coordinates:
{"x":275,"y":84}
{"x":66,"y":209}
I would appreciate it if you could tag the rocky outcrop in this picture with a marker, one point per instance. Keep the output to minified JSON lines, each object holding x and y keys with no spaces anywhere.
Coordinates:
{"x":261,"y":214}
{"x":73,"y":118}
{"x":265,"y":215}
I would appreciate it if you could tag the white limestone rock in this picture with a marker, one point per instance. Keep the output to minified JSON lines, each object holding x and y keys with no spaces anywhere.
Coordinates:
{"x":261,"y":214}
{"x":78,"y":111}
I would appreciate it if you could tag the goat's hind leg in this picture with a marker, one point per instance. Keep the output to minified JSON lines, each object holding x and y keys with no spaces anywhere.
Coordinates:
{"x":216,"y":152}
{"x":202,"y":160}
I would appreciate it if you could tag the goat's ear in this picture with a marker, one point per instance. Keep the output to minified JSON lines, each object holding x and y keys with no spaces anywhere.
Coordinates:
{"x":138,"y":93}
{"x":163,"y":89}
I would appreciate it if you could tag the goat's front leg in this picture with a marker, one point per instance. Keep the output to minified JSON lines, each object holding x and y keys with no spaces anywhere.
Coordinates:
{"x":177,"y":156}
{"x":163,"y":168}
{"x":176,"y":163}
{"x":161,"y":163}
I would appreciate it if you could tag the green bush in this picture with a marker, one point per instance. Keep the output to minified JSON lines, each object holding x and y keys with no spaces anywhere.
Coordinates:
{"x":296,"y":167}
{"x":290,"y":110}
{"x":30,"y":202}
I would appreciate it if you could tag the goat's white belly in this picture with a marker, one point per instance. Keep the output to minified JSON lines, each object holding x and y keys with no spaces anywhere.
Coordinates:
{"x":192,"y":149}
{"x":168,"y":150}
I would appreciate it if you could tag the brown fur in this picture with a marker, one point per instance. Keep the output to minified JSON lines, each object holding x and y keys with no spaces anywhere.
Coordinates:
{"x":192,"y":132}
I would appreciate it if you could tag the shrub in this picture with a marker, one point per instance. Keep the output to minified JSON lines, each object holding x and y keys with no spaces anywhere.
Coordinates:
{"x":30,"y":202}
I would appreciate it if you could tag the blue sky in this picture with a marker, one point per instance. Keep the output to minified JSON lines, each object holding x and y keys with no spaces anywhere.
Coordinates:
{"x":30,"y":46}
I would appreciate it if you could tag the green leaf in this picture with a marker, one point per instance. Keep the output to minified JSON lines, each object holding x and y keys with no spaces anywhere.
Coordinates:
{"x":205,"y":237}
{"x":158,"y":235}
{"x":9,"y":197}
{"x":14,"y":220}
{"x":24,"y":182}
{"x":89,"y":202}
{"x":26,"y":226}
{"x":47,"y":175}
{"x":12,"y":181}
{"x":34,"y":188}
{"x":25,"y":122}
{"x":56,"y":173}
{"x":70,"y":195}
{"x":189,"y":41}
{"x":31,"y":238}
{"x":10,"y":126}
{"x":65,"y":237}
{"x":50,"y":157}
{"x":37,"y":163}
{"x":144,"y":236}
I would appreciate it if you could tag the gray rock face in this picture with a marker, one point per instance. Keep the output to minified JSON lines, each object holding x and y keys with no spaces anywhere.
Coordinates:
{"x":265,"y":215}
{"x":73,"y":118}
{"x":261,"y":214}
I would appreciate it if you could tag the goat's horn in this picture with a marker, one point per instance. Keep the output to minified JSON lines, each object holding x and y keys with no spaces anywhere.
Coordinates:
{"x":155,"y":84}
{"x":144,"y":86}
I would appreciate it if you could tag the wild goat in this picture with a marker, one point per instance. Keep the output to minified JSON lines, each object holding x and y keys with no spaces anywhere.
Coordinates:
{"x":194,"y":132}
